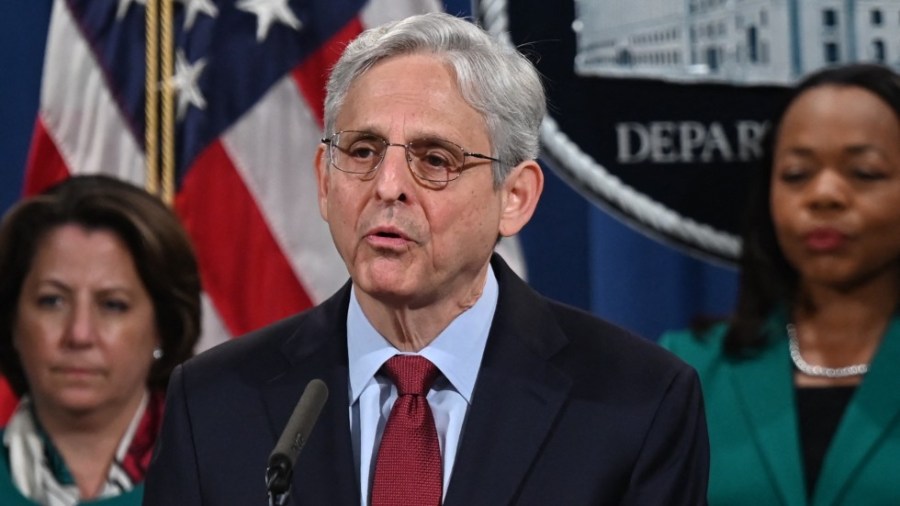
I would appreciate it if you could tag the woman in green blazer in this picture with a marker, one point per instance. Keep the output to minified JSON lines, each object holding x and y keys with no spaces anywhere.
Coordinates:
{"x":802,"y":385}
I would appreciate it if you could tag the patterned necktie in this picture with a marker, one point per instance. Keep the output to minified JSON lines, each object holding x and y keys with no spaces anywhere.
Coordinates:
{"x":408,"y":470}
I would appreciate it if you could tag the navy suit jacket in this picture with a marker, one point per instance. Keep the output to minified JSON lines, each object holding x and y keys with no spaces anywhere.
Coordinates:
{"x":567,"y":409}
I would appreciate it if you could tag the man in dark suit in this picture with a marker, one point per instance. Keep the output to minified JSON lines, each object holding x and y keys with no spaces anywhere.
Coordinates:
{"x":429,"y":158}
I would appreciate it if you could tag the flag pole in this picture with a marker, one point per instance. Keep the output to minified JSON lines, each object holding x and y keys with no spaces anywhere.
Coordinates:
{"x":168,"y":100}
{"x":151,"y":100}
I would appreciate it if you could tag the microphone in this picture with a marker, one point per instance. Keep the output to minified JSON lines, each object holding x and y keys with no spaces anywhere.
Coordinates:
{"x":294,"y":437}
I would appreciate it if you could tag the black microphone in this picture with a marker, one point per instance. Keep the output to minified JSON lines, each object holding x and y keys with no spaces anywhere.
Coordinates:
{"x":294,"y":437}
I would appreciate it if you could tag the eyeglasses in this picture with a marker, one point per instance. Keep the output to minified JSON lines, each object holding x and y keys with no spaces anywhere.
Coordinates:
{"x":432,"y":160}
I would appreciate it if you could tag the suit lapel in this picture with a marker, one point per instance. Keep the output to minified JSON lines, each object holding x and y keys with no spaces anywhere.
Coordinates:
{"x":325,"y":472}
{"x":872,"y":412}
{"x":516,"y":399}
{"x":764,"y":387}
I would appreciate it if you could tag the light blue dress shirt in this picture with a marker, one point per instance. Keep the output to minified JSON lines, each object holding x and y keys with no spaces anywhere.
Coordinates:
{"x":456,"y":352}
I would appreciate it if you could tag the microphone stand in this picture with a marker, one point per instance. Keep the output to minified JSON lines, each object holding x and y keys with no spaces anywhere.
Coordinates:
{"x":278,"y":499}
{"x":278,"y":482}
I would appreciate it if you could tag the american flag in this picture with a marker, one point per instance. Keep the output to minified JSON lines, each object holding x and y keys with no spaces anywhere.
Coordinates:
{"x":250,"y":76}
{"x":250,"y":79}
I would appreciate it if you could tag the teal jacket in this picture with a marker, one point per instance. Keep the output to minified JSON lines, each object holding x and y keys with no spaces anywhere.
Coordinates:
{"x":10,"y":495}
{"x":752,"y":418}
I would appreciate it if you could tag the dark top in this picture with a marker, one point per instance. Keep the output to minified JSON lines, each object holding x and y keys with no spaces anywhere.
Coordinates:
{"x":819,"y":411}
{"x":567,"y":409}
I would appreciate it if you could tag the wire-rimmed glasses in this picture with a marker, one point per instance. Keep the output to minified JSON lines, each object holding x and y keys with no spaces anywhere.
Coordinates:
{"x":432,"y":160}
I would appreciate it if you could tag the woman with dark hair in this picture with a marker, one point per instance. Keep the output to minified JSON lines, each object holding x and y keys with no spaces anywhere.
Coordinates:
{"x":801,"y":384}
{"x":99,"y":301}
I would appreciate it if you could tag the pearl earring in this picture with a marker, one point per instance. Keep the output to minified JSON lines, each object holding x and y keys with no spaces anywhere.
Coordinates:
{"x":157,"y":353}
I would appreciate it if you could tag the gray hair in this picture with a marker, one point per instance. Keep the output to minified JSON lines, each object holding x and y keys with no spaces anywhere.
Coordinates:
{"x":493,"y":77}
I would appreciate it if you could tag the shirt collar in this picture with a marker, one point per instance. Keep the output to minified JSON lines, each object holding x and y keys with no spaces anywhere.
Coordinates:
{"x":456,"y":351}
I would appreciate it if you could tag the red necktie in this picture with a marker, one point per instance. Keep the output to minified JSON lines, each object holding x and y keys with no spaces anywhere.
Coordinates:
{"x":408,"y":469}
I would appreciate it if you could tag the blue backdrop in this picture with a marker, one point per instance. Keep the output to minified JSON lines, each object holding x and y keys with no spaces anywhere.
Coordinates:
{"x":575,"y":251}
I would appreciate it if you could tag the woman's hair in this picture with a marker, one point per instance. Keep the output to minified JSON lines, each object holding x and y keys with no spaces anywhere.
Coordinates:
{"x":492,"y":77}
{"x":767,"y":280}
{"x":159,"y":246}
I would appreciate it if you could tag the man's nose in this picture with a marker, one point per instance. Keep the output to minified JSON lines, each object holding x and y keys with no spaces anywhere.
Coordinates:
{"x":393,"y":177}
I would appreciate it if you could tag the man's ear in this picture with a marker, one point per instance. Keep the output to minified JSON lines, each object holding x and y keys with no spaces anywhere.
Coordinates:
{"x":521,"y":192}
{"x":322,"y":175}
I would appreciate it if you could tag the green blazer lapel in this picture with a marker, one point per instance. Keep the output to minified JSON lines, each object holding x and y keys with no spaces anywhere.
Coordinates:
{"x":764,"y":387}
{"x":872,"y":411}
